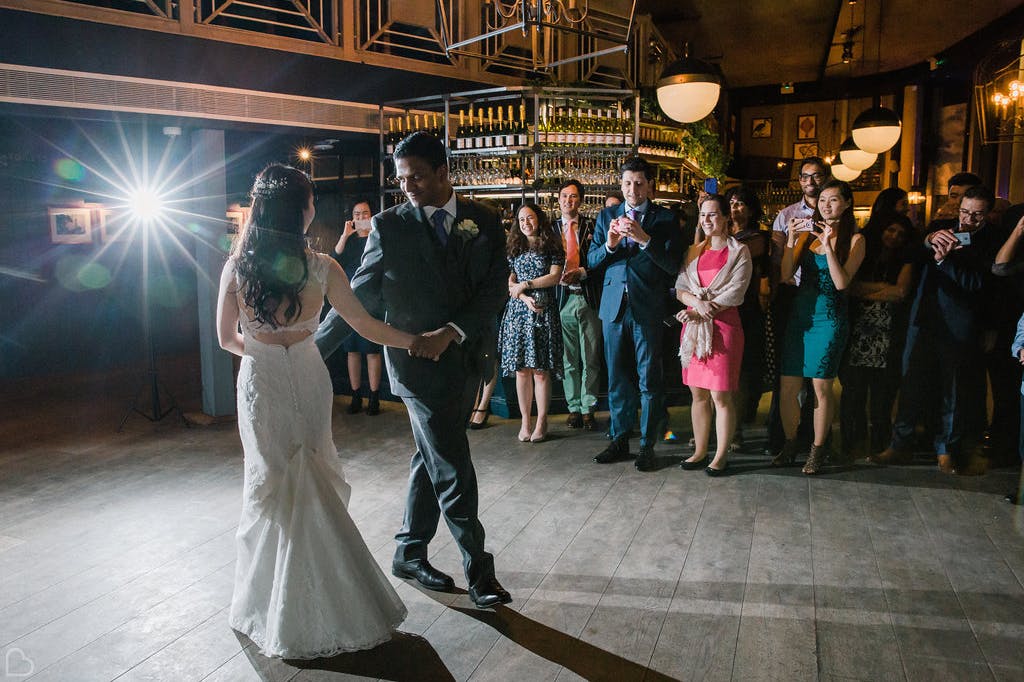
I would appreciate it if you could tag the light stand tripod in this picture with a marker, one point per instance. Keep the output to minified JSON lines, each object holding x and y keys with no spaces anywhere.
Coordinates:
{"x":156,"y":411}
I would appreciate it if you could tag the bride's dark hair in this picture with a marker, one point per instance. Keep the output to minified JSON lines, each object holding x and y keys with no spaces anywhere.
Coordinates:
{"x":271,"y":250}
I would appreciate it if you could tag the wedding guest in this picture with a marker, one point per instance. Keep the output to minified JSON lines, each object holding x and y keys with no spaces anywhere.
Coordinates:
{"x":870,"y":371}
{"x":746,"y":214}
{"x":306,"y":585}
{"x":712,"y":283}
{"x":349,"y":252}
{"x":531,"y":332}
{"x":1017,"y":350}
{"x":828,"y":253}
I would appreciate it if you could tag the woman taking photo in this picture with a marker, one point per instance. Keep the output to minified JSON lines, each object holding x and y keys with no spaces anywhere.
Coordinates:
{"x":712,"y":283}
{"x":306,"y":586}
{"x":531,"y":332}
{"x":828,"y":254}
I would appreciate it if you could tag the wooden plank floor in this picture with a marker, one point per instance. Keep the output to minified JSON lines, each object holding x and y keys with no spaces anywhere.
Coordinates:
{"x":116,"y":558}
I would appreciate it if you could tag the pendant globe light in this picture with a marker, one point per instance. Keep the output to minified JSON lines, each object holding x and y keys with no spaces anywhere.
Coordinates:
{"x":855,"y":158}
{"x":688,"y":89}
{"x":877,"y":129}
{"x":844,"y":173}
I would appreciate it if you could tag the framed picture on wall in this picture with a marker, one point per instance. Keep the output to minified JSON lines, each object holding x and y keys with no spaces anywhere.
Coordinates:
{"x":236,"y":219}
{"x":807,"y":127}
{"x":113,"y":225}
{"x":70,"y":225}
{"x":801,"y":150}
{"x":761,"y":127}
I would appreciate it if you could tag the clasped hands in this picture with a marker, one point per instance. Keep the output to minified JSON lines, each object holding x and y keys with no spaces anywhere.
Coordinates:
{"x":623,"y":227}
{"x":701,"y":310}
{"x":431,"y":345}
{"x":516,"y":289}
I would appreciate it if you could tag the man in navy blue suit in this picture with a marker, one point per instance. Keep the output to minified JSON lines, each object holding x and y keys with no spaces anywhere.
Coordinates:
{"x":638,"y":247}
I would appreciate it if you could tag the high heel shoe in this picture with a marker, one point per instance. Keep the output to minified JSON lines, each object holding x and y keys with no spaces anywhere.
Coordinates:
{"x":476,"y":426}
{"x":542,"y":435}
{"x":787,"y":455}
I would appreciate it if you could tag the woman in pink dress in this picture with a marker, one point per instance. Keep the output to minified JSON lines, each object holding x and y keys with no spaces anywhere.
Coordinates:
{"x":712,"y":283}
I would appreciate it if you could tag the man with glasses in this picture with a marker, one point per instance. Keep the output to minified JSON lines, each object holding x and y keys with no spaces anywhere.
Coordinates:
{"x":943,"y":350}
{"x":814,"y":173}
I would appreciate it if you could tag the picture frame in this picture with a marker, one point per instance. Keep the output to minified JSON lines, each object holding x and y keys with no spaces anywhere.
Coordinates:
{"x":235,"y":219}
{"x":801,"y":150}
{"x":761,"y":128}
{"x":114,"y":226}
{"x":70,"y":225}
{"x":807,"y":127}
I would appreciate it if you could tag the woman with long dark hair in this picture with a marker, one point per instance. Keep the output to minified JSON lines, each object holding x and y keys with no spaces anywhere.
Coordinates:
{"x":828,"y":253}
{"x":306,"y":586}
{"x":531,"y":331}
{"x":870,"y":371}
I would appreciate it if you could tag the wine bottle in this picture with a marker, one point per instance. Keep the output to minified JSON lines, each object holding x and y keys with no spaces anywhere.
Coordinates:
{"x":522,"y":133}
{"x":591,"y":128}
{"x":460,"y":140}
{"x":560,"y":131}
{"x":510,"y":129}
{"x":627,"y":130}
{"x":389,"y":140}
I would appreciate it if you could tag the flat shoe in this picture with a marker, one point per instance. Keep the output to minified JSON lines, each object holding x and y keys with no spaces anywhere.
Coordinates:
{"x":693,"y":466}
{"x":715,"y":473}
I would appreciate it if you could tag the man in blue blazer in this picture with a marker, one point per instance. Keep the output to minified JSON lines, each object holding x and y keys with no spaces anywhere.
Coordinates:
{"x":638,"y":247}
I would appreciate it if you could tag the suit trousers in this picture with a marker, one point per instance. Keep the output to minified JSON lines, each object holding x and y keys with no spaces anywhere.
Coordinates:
{"x":581,"y":363}
{"x":442,"y":481}
{"x":633,"y":354}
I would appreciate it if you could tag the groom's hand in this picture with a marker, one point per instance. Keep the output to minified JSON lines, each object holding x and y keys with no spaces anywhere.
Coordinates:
{"x":431,"y":344}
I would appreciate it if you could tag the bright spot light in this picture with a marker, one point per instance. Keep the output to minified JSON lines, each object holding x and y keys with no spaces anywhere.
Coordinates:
{"x":145,"y":204}
{"x":305,"y":154}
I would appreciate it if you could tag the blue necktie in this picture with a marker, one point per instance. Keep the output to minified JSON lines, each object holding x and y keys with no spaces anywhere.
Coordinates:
{"x":438,"y":221}
{"x":632,"y":214}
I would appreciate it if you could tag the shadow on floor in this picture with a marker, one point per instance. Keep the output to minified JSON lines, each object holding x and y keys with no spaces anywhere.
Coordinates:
{"x":406,"y":657}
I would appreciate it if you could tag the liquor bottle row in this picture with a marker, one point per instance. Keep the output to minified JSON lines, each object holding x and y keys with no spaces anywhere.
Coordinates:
{"x":658,"y":142}
{"x":593,"y":170}
{"x":503,"y":127}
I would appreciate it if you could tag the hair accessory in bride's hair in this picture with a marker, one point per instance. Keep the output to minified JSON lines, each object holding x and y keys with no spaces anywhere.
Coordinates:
{"x":267,"y":188}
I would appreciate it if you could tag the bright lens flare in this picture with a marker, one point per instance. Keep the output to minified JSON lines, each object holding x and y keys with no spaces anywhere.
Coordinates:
{"x":146,"y":205}
{"x":305,"y":154}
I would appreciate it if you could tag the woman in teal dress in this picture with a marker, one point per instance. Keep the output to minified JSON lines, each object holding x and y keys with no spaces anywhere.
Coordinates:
{"x":828,"y":254}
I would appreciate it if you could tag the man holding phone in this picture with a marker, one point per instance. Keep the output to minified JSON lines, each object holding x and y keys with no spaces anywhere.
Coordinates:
{"x":942,"y":357}
{"x":349,"y":253}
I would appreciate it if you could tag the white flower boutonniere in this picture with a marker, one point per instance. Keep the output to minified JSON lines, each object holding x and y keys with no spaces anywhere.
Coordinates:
{"x":466,"y":229}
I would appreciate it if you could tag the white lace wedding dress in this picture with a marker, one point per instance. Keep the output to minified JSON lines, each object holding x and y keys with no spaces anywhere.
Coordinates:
{"x":306,"y":586}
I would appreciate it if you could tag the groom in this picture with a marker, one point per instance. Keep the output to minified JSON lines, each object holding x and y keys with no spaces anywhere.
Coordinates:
{"x":436,"y":266}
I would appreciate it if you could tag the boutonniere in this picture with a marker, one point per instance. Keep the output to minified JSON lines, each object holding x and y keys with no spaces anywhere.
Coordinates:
{"x":466,"y":229}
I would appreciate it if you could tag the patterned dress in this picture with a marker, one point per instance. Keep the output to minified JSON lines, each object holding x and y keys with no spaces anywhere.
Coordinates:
{"x":818,"y":325}
{"x":528,"y":339}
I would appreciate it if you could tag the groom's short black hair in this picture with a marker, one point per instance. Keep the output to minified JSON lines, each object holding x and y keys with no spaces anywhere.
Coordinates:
{"x":424,"y":146}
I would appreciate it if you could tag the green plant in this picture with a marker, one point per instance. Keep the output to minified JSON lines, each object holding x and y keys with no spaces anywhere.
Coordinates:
{"x":702,"y":144}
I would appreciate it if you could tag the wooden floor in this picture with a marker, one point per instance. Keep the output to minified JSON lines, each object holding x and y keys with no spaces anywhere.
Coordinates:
{"x":116,"y":558}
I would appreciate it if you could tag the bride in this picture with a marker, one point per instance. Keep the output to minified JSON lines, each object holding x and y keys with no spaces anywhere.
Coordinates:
{"x":306,"y":586}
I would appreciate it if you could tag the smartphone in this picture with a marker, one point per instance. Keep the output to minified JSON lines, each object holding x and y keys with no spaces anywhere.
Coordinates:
{"x":963,"y":237}
{"x":711,"y":185}
{"x":362,"y":226}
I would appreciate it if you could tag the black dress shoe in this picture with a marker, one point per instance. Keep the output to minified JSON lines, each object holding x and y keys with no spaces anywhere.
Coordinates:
{"x":693,"y":466}
{"x":422,"y":572}
{"x":645,"y":460}
{"x":488,"y":592}
{"x":574,"y":420}
{"x":617,"y":450}
{"x":714,"y":473}
{"x":356,"y":406}
{"x":589,"y":423}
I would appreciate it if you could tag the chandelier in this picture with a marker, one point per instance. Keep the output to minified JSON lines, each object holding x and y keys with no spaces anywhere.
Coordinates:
{"x":999,"y":93}
{"x":540,"y":20}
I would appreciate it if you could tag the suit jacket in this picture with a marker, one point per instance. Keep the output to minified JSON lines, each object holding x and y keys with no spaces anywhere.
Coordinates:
{"x":412,"y":282}
{"x":949,"y":303}
{"x":592,"y":284}
{"x":647,"y":273}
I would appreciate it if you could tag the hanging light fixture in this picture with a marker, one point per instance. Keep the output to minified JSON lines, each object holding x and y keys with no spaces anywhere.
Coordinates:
{"x":688,"y":89}
{"x":844,"y":173}
{"x":855,"y":158}
{"x":877,"y":129}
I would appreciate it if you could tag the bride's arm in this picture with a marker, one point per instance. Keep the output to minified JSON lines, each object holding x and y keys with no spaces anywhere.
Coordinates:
{"x":339,"y":293}
{"x":227,"y":311}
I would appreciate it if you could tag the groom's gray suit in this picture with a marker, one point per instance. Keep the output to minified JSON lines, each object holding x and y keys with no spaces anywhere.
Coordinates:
{"x":411,"y":281}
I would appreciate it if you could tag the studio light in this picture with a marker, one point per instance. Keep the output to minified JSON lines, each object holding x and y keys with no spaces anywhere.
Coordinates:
{"x":841,"y":172}
{"x":877,"y":129}
{"x":855,"y":158}
{"x":688,"y":89}
{"x":145,"y":204}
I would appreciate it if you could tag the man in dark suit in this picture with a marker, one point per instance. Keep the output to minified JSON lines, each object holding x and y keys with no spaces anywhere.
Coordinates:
{"x":578,"y":294}
{"x":436,"y":266}
{"x":639,"y":247}
{"x":943,"y":339}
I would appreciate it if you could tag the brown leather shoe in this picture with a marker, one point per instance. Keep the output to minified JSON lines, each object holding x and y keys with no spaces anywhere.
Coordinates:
{"x":945,"y":462}
{"x":891,"y":456}
{"x":589,"y":423}
{"x":574,"y":420}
